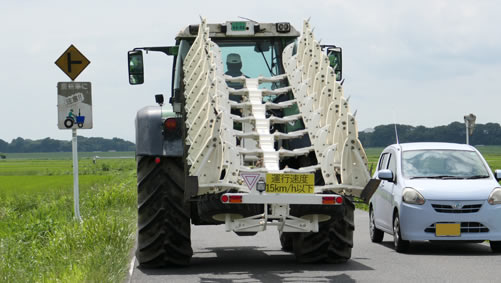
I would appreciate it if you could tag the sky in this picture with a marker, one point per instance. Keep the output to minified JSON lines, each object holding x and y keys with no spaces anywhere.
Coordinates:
{"x":427,"y":62}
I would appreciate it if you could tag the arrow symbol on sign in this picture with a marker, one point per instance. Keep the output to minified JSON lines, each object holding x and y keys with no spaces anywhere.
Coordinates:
{"x":250,"y":179}
{"x":68,"y":56}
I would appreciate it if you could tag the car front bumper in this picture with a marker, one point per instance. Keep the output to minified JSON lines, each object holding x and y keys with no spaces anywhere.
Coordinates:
{"x":418,"y":221}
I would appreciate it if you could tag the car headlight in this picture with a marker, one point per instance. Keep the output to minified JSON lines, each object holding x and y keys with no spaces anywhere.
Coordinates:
{"x":495,"y":196}
{"x":412,"y":196}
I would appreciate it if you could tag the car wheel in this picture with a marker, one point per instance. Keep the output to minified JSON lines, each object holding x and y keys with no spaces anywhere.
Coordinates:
{"x":496,"y":246}
{"x":401,"y":246}
{"x":376,"y":234}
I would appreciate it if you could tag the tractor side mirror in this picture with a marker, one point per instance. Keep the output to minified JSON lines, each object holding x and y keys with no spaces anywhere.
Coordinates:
{"x":136,"y":69}
{"x":335,"y":55}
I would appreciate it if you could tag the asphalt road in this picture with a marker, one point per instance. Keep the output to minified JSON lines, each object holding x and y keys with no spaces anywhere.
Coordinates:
{"x":221,"y":256}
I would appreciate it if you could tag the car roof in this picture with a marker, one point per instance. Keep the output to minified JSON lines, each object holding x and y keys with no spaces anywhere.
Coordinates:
{"x":432,"y":145}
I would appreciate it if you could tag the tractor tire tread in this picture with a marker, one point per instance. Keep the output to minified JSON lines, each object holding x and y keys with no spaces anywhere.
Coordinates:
{"x":332,"y":243}
{"x":163,"y":216}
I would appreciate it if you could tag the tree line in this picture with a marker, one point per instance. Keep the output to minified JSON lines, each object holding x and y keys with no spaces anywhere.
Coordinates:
{"x":484,"y":134}
{"x":384,"y":135}
{"x":20,"y":145}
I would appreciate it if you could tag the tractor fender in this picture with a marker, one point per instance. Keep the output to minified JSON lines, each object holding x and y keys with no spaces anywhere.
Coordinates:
{"x":150,"y":139}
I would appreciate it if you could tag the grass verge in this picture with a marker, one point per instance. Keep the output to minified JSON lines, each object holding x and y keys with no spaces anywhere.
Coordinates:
{"x":41,"y":242}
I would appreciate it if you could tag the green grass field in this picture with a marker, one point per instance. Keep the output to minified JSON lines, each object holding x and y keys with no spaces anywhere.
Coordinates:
{"x":67,"y":155}
{"x":492,"y":155}
{"x":41,"y":242}
{"x":39,"y":239}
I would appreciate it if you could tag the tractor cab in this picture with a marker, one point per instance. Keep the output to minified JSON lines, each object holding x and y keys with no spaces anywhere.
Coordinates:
{"x":247,"y":49}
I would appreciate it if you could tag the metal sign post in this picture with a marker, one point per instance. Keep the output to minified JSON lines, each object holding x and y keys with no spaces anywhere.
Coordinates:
{"x":76,"y":195}
{"x":74,"y":104}
{"x":467,"y":134}
{"x":469,"y":121}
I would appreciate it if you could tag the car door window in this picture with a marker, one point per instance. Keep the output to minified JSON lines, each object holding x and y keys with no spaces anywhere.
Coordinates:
{"x":383,"y":161}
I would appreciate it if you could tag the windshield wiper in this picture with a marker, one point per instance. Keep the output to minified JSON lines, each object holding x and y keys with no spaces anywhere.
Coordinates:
{"x":477,"y":177}
{"x":437,"y":177}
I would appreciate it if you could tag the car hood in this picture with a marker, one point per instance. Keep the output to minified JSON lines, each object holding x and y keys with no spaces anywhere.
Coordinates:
{"x":432,"y":189}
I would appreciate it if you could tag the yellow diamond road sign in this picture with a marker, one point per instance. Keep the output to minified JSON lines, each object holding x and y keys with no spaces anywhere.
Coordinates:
{"x":72,"y":62}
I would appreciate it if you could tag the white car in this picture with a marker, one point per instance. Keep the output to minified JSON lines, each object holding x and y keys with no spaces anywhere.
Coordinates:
{"x":434,"y":192}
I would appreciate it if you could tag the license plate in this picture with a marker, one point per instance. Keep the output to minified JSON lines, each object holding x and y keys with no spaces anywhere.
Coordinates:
{"x":290,"y":183}
{"x":447,"y":229}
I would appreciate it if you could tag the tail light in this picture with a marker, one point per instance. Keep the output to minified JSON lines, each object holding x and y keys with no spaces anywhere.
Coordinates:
{"x":231,"y":199}
{"x":235,"y":199}
{"x":332,"y":200}
{"x":170,"y":124}
{"x":328,"y":200}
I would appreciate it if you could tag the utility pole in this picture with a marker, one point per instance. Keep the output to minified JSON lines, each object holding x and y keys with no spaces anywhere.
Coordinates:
{"x":469,"y":121}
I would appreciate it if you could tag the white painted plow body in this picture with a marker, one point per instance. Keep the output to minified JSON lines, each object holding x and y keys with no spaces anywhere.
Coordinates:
{"x":219,"y":154}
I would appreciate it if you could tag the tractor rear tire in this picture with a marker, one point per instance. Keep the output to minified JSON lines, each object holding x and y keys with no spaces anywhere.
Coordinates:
{"x":332,"y":243}
{"x":163,"y":215}
{"x":287,"y":240}
{"x":341,"y":234}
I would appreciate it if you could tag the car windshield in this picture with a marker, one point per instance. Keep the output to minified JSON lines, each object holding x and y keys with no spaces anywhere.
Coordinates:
{"x":443,"y":164}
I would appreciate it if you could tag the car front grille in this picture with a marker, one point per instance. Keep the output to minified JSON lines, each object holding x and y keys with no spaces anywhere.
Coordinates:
{"x":445,"y":208}
{"x":466,"y":227}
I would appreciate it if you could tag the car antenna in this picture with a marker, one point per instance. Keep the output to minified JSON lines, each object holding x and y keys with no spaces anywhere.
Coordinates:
{"x":395,"y":123}
{"x":248,"y":19}
{"x":396,"y":133}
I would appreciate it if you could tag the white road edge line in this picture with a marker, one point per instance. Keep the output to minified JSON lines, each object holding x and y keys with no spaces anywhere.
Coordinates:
{"x":131,"y":268}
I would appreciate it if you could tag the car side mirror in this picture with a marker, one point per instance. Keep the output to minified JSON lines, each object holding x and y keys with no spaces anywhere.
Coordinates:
{"x":386,"y":175}
{"x":136,"y":69}
{"x":497,"y":174}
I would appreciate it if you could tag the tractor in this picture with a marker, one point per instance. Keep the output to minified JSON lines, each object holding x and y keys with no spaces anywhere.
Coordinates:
{"x":258,"y":134}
